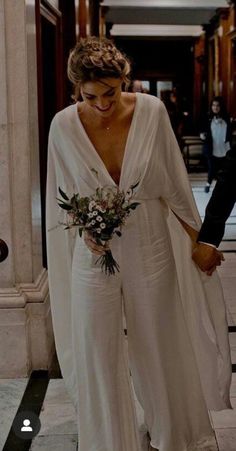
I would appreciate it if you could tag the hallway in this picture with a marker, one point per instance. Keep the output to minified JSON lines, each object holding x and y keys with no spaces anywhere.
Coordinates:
{"x":57,"y":416}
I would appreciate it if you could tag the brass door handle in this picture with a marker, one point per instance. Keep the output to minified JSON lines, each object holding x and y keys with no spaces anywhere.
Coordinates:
{"x":3,"y":250}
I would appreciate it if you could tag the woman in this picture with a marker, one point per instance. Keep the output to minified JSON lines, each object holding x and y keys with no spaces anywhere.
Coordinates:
{"x":216,"y":135}
{"x":178,"y":351}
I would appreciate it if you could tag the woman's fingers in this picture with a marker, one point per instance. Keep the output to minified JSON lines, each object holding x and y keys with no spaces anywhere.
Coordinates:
{"x":91,"y":243}
{"x":220,"y":258}
{"x":210,"y":271}
{"x":206,"y":257}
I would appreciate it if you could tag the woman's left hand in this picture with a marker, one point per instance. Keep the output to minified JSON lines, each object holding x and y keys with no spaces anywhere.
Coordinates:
{"x":93,"y":246}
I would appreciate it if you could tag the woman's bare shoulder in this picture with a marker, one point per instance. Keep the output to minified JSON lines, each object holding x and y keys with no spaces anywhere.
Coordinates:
{"x":129,"y":98}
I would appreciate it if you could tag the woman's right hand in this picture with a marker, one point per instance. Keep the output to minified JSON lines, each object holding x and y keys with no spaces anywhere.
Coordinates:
{"x":206,"y":257}
{"x":92,"y":245}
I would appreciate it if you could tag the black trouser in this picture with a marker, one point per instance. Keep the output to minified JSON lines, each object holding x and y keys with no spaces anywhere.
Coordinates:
{"x":215,"y":164}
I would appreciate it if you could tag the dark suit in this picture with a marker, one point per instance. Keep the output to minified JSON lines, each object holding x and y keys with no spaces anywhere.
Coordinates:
{"x":221,"y":202}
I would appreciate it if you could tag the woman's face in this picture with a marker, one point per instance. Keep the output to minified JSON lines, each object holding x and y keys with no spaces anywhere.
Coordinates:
{"x":102,"y":95}
{"x":215,"y":107}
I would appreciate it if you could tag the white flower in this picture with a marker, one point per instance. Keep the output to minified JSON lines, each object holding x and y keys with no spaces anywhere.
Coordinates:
{"x":95,"y":213}
{"x":93,"y":222}
{"x":102,"y":225}
{"x":90,"y":215}
{"x":99,"y":219}
{"x":98,"y":230}
{"x":99,"y":208}
{"x":92,"y":204}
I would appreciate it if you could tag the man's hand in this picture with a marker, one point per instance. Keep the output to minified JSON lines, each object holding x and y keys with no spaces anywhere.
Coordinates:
{"x":207,"y":257}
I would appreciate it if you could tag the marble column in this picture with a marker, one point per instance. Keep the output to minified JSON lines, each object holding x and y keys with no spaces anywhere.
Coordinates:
{"x":26,"y":338}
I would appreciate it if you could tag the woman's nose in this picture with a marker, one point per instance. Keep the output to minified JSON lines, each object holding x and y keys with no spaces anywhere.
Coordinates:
{"x":102,"y":103}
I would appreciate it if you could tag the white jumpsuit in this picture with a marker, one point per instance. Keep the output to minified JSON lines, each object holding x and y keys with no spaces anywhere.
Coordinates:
{"x":178,"y":350}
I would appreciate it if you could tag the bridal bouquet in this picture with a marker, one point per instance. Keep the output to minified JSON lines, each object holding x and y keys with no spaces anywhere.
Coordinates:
{"x":102,"y":215}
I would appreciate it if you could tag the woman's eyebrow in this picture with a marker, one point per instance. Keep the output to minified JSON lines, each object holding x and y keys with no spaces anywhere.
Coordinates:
{"x":106,"y":92}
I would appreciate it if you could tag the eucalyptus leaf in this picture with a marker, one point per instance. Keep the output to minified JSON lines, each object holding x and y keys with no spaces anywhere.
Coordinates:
{"x":65,"y":206}
{"x":134,"y":205}
{"x":64,"y":195}
{"x":134,"y":186}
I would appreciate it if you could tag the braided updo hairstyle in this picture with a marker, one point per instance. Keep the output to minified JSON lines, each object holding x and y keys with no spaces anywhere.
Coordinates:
{"x":94,"y":58}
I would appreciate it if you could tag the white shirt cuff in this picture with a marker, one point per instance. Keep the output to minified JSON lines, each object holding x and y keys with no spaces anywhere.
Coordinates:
{"x":208,"y":244}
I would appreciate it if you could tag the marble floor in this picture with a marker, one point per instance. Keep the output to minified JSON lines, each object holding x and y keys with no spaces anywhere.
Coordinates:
{"x":11,"y":392}
{"x":58,"y":422}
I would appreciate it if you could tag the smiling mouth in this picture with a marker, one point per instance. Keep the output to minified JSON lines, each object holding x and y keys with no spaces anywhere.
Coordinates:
{"x":103,"y":110}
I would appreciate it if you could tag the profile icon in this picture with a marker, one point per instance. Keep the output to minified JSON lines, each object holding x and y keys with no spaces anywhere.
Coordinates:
{"x":26,"y":427}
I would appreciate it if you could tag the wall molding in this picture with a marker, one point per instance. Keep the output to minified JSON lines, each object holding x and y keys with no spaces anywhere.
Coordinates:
{"x":23,"y":293}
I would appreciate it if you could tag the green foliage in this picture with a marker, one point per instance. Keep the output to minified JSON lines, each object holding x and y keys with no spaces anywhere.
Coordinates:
{"x":102,"y":214}
{"x":63,"y":194}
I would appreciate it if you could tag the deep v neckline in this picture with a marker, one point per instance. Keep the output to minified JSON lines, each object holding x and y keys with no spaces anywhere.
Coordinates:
{"x":95,"y":152}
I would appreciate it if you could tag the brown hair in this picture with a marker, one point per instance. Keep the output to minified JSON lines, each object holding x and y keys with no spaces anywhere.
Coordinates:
{"x":94,"y":58}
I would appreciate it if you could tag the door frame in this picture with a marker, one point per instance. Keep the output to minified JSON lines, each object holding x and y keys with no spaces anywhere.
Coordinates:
{"x":43,"y":9}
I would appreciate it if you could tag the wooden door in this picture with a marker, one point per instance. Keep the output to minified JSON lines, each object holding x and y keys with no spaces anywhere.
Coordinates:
{"x":233,"y":80}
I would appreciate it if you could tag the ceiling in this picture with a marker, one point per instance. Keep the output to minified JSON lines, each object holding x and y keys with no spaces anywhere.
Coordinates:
{"x":160,"y":17}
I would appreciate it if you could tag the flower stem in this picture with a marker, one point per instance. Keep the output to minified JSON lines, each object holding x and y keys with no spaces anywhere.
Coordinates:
{"x":108,"y":263}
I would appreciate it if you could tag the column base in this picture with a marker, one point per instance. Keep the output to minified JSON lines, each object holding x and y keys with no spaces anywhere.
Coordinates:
{"x":26,"y":333}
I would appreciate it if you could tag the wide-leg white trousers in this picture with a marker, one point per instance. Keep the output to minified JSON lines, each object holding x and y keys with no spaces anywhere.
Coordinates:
{"x":160,"y":356}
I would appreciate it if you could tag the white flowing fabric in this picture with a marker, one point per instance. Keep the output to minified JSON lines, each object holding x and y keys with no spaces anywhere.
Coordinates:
{"x":176,"y":323}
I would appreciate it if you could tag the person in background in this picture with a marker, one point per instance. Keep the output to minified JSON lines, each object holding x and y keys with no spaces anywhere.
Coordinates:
{"x":146,"y":90}
{"x":175,"y":114}
{"x":216,"y":134}
{"x":137,"y":86}
{"x":218,"y":209}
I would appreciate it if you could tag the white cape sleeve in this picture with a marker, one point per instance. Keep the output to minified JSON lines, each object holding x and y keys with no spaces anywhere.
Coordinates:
{"x":202,"y":295}
{"x":60,"y":245}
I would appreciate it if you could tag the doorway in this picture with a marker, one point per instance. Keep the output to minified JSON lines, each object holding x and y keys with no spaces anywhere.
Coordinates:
{"x":50,"y":88}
